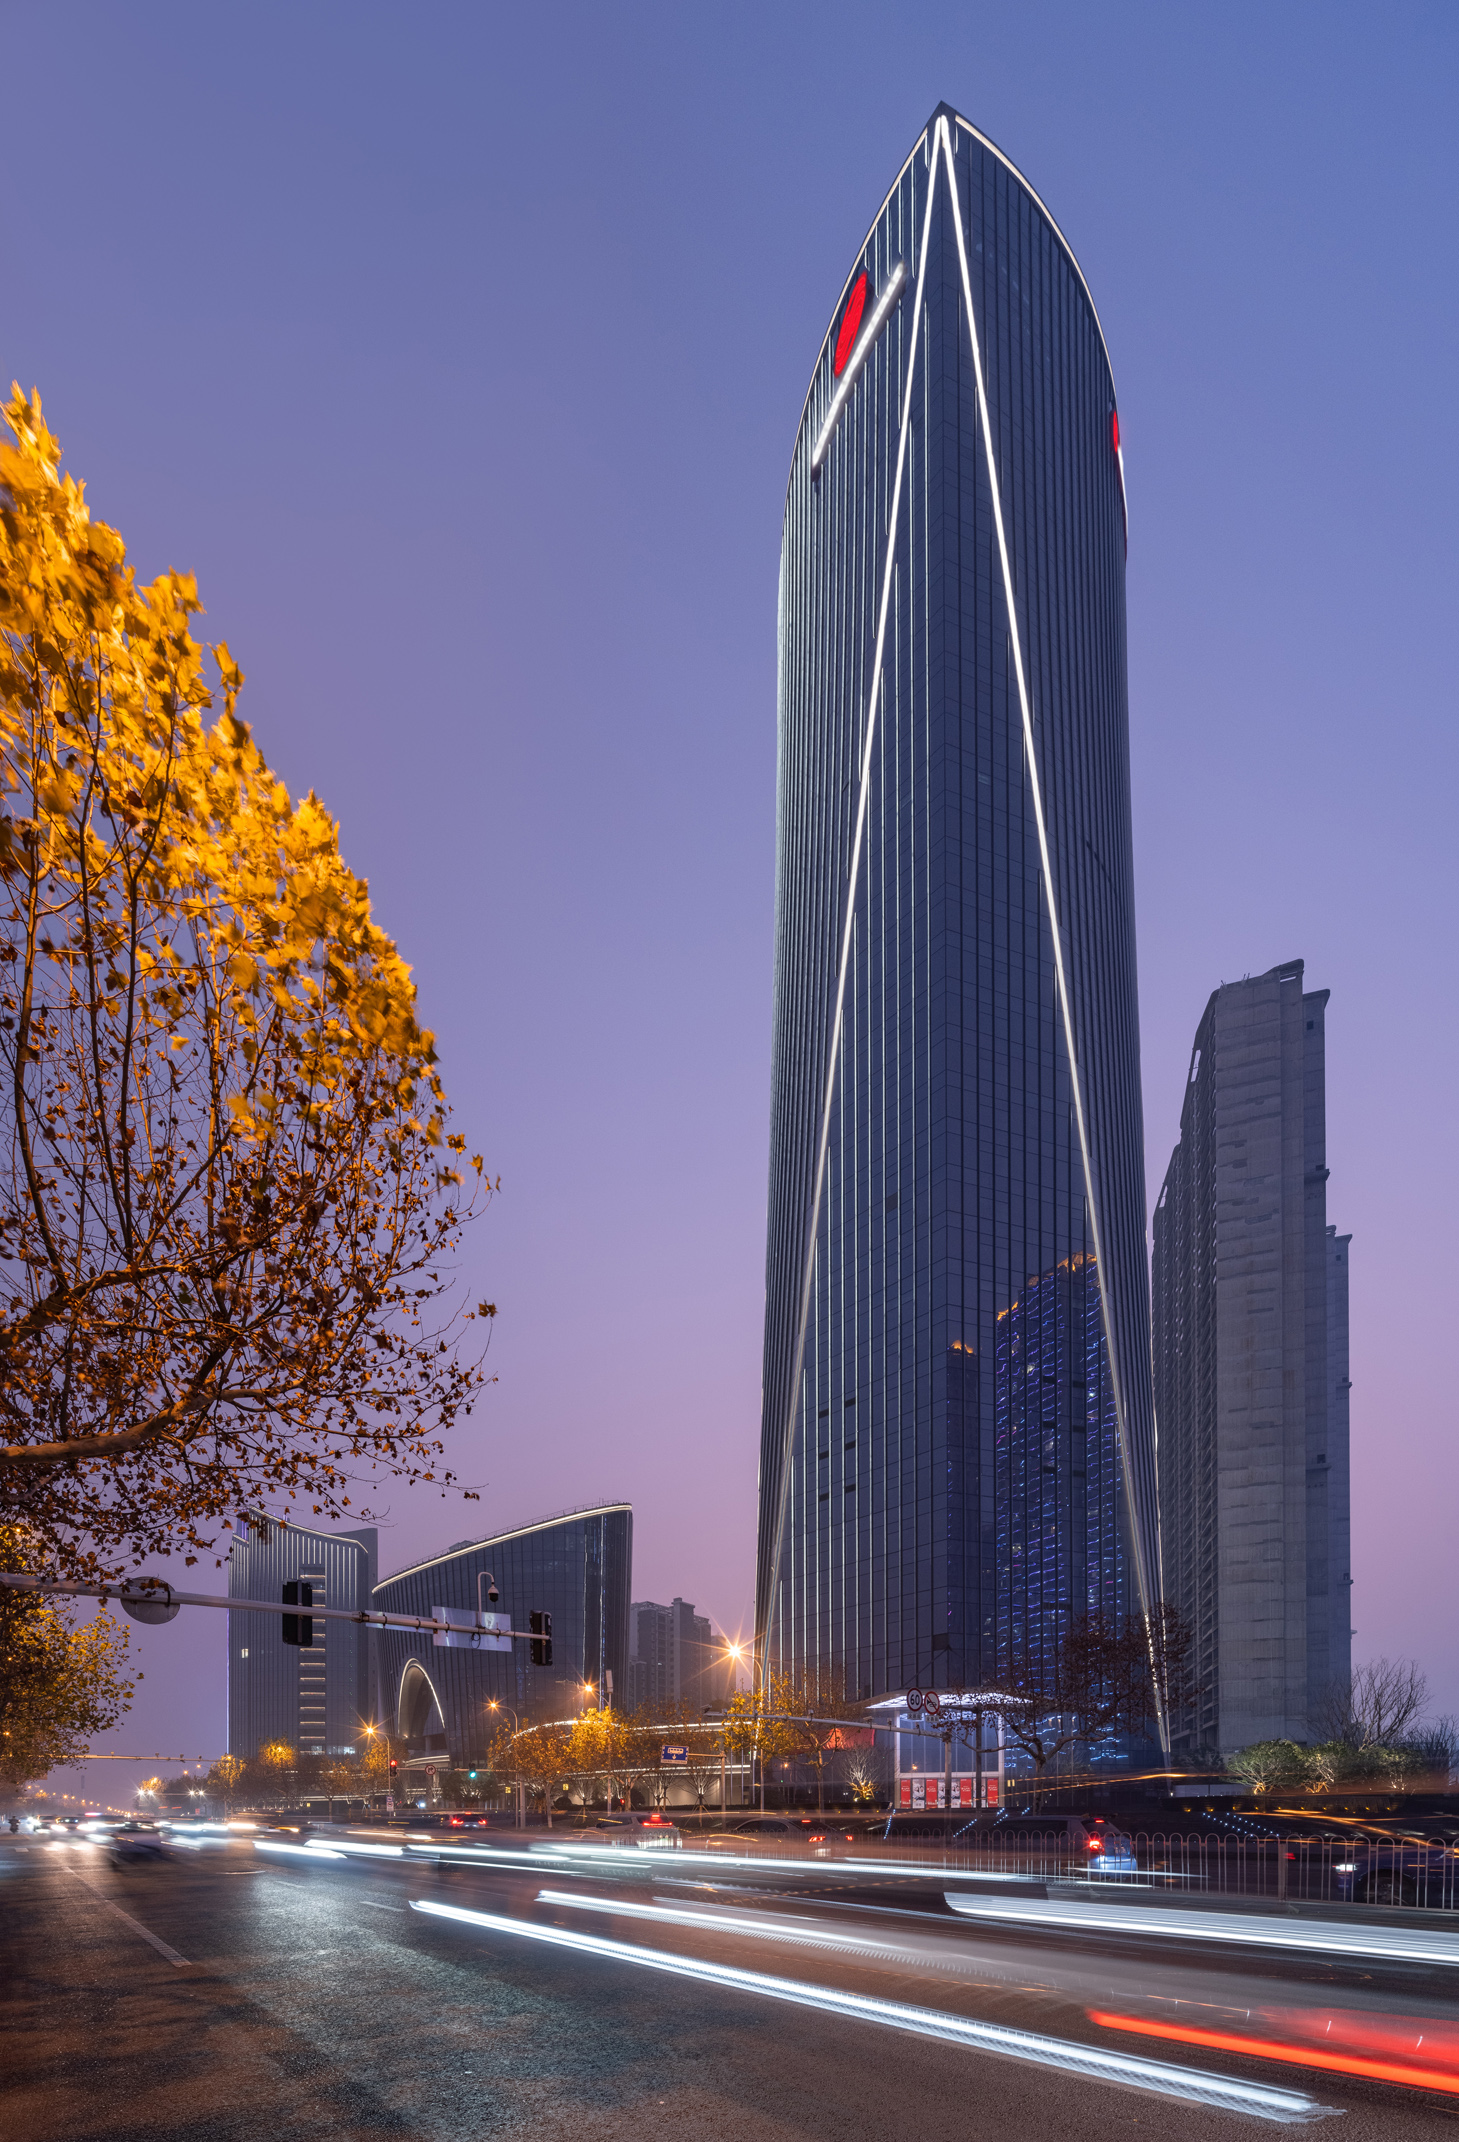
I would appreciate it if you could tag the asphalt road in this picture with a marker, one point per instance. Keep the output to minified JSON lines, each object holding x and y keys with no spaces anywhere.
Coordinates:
{"x":232,"y":1992}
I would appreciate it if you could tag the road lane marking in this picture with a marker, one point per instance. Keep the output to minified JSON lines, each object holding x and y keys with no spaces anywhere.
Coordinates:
{"x":1094,"y":2063}
{"x":381,"y":1907}
{"x":136,"y":1925}
{"x":1394,"y":1943}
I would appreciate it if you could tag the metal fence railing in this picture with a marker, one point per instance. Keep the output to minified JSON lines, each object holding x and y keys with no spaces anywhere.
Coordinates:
{"x":1363,"y":1866}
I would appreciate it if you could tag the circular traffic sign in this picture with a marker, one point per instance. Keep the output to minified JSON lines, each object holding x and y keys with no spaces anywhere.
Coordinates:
{"x":914,"y":1700}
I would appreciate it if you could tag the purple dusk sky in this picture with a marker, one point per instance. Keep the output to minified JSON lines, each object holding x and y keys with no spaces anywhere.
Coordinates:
{"x":460,"y":351}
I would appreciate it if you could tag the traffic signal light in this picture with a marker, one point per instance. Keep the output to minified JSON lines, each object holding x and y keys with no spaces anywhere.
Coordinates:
{"x":471,"y":1774}
{"x":540,"y":1646}
{"x":298,"y":1628}
{"x":394,"y":1764}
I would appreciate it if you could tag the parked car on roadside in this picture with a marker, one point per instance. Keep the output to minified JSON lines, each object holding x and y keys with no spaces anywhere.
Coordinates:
{"x":1420,"y":1871}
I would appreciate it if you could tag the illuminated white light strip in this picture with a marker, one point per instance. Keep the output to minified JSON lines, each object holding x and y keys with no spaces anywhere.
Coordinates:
{"x":1043,"y":209}
{"x":1094,"y":2063}
{"x":860,"y":352}
{"x":1395,"y":1943}
{"x":301,"y":1851}
{"x":1008,"y":165}
{"x":848,"y":928}
{"x":1015,"y":638}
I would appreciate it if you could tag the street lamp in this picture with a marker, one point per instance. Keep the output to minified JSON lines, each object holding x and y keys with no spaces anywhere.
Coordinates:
{"x":758,"y":1667}
{"x":494,"y":1705}
{"x":734,"y":1653}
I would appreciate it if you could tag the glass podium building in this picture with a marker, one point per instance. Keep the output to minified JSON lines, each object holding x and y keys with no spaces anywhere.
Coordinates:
{"x":577,"y":1569}
{"x":318,"y":1698}
{"x":957,"y":1437}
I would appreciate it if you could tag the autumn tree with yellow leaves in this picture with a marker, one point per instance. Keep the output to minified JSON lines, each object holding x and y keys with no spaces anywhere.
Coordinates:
{"x":228,"y":1193}
{"x":62,"y":1679}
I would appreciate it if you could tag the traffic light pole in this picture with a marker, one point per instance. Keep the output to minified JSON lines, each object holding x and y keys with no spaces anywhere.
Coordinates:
{"x":157,"y":1602}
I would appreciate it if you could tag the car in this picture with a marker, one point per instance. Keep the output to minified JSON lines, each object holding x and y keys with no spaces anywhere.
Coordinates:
{"x":1399,"y":1870}
{"x":642,"y":1832}
{"x":131,"y":1842}
{"x":828,"y":1833}
{"x":1109,"y":1851}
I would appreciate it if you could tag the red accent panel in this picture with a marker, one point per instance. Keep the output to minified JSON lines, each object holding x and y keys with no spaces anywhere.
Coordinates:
{"x":850,"y":322}
{"x":1114,"y":428}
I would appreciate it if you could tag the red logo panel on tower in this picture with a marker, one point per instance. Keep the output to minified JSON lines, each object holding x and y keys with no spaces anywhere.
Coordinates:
{"x":850,"y":322}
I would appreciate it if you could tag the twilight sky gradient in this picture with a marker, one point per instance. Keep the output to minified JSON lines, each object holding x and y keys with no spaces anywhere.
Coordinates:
{"x":459,"y":350}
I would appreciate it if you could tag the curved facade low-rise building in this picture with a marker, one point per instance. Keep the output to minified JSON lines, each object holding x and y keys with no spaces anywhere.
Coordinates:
{"x":577,"y":1569}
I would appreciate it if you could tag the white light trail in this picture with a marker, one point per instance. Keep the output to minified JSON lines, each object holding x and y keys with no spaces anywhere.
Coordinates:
{"x":486,"y":1855}
{"x":300,"y":1851}
{"x":612,"y":1858}
{"x":734,"y":1922}
{"x":1092,"y":2062}
{"x":340,"y":1849}
{"x":865,"y":342}
{"x":1395,"y":1943}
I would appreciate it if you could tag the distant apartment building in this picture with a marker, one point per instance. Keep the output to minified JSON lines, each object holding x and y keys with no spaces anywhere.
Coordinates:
{"x":1251,"y":1372}
{"x":674,"y":1656}
{"x":315,"y":1697}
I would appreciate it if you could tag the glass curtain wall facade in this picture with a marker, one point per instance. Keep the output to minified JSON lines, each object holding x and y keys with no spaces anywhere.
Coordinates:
{"x":1058,"y":1547}
{"x":956,"y":1136}
{"x":315,"y":1697}
{"x":578,"y":1569}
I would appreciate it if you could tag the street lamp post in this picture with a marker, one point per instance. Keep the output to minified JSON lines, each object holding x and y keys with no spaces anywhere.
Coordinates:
{"x":517,"y":1790}
{"x":757,"y":1673}
{"x":734,"y":1652}
{"x":372,"y":1733}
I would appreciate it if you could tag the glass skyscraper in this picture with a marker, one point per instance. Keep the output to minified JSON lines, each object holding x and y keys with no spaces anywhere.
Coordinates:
{"x":957,"y":1439}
